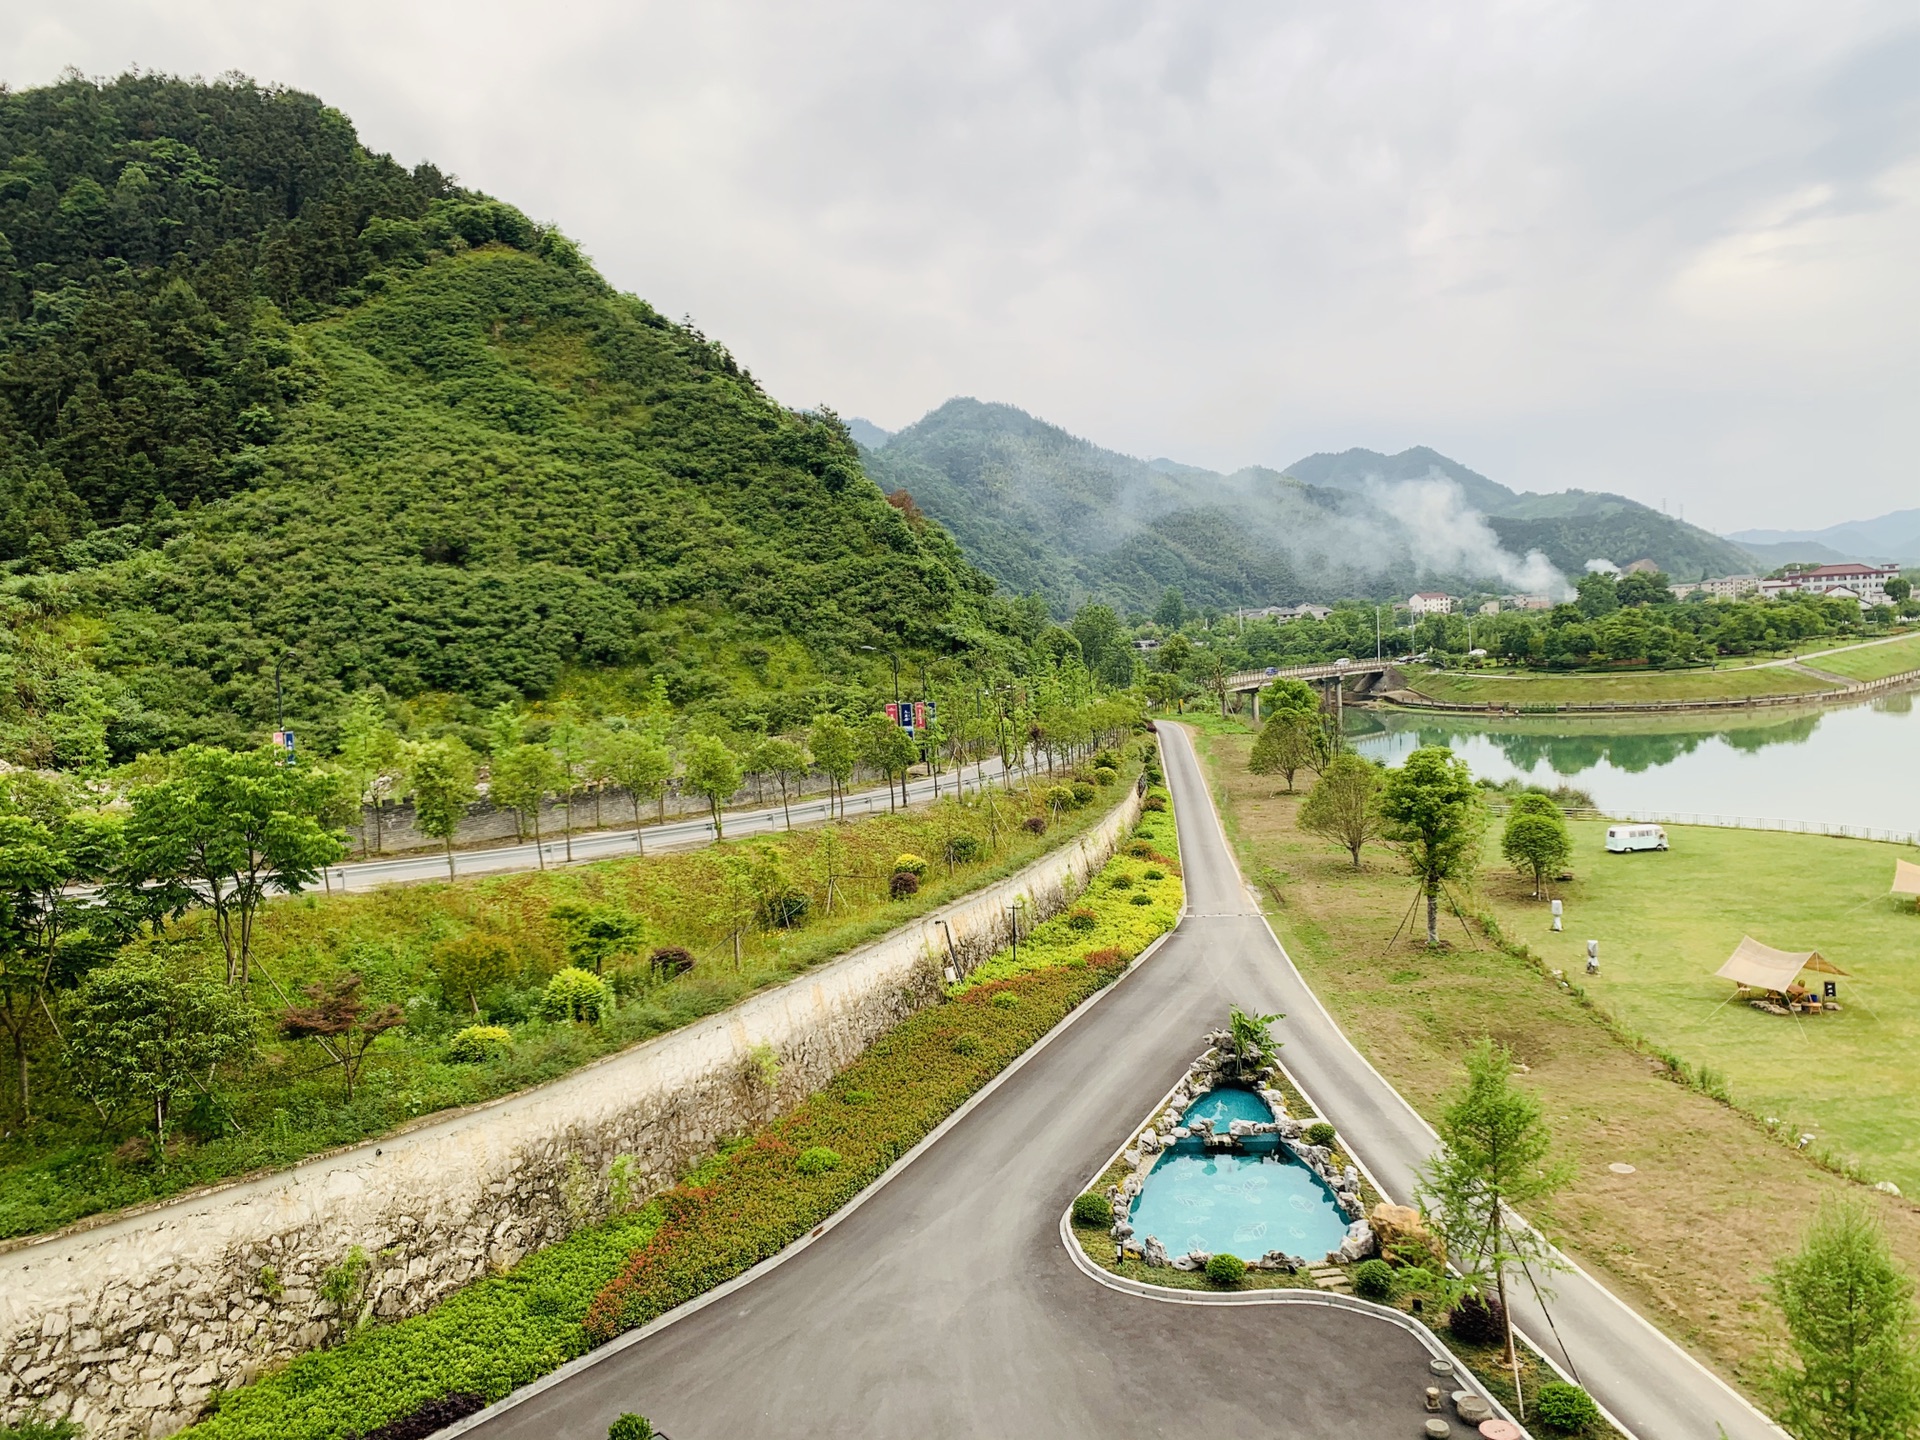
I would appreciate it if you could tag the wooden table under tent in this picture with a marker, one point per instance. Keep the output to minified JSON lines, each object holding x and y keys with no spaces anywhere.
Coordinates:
{"x":1775,"y":975}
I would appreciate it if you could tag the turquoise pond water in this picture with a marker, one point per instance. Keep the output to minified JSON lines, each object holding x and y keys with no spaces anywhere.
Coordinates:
{"x":1240,"y":1204}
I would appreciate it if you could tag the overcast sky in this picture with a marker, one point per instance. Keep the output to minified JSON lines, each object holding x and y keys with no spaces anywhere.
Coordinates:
{"x":1667,"y":249}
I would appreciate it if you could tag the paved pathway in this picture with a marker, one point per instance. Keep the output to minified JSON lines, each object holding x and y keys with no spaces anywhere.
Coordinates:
{"x":945,"y":1306}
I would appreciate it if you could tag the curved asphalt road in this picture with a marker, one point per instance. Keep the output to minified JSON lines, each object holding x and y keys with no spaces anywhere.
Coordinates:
{"x":945,"y":1305}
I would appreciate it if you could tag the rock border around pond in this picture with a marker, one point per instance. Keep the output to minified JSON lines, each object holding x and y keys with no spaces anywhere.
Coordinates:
{"x":1218,"y":1067}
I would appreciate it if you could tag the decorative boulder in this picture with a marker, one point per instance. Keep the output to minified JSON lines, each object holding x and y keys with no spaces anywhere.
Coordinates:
{"x":1153,"y":1252}
{"x":1122,"y":1231}
{"x":1180,"y":1132}
{"x":1359,"y":1243}
{"x":1287,"y":1128}
{"x":1397,"y":1224}
{"x":1192,"y":1260}
{"x":1149,"y":1142}
{"x":1200,"y":1127}
{"x":1239,"y":1129}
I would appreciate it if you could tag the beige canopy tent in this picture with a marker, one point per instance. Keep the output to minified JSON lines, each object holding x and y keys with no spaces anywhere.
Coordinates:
{"x":1906,"y":878}
{"x":1761,"y":967}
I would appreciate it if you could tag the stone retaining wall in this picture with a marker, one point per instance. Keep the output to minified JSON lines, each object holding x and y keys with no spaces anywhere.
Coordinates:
{"x":129,"y":1324}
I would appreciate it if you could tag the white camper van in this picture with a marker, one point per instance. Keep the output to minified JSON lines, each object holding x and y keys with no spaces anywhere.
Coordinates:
{"x":1621,"y":838}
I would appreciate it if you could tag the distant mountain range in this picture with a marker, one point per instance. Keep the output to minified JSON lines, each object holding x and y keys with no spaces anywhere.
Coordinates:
{"x":1890,"y":538}
{"x":1042,"y":510}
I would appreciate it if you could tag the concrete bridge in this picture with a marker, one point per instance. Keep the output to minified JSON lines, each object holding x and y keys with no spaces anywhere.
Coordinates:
{"x":1252,"y":682}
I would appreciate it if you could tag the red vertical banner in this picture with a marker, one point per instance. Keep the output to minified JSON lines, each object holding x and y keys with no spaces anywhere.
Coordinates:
{"x":920,"y":714}
{"x":893,"y":712}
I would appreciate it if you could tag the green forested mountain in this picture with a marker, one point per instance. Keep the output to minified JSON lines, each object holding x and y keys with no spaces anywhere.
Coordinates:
{"x":269,"y":399}
{"x":1040,"y":509}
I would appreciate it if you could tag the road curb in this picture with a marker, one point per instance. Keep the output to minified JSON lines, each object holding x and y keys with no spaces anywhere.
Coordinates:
{"x":773,"y":1262}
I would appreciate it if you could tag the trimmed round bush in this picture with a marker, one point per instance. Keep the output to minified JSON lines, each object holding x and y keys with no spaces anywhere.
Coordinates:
{"x":1154,"y":802}
{"x":1141,"y":900}
{"x":478,"y":1044}
{"x":1060,"y":797}
{"x":817,"y":1160}
{"x":1082,"y":919}
{"x":909,"y":864}
{"x":1320,"y":1133}
{"x":787,"y":909}
{"x":1092,"y":1209}
{"x":1082,"y":791}
{"x":1565,"y":1408}
{"x":1154,"y":872}
{"x":1373,"y":1280}
{"x":1105,"y":775}
{"x":1122,"y":881}
{"x":1034,"y":824}
{"x":667,"y":961}
{"x":630,"y":1427}
{"x":962,"y":848}
{"x":1226,"y":1271}
{"x":1006,"y":1000}
{"x":904,"y":884}
{"x":1140,"y":849}
{"x":1478,"y":1320}
{"x":574,"y":994}
{"x":1106,"y":758}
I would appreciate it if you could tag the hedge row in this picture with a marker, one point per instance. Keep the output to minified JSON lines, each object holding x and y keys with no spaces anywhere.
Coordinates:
{"x":742,"y":1206}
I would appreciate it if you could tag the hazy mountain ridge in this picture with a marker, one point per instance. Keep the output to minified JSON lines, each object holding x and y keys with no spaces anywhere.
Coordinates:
{"x":1893,"y":537}
{"x":1041,"y":509}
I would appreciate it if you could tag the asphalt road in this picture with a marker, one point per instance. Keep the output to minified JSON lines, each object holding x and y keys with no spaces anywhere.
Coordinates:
{"x":681,"y":833}
{"x":945,"y":1305}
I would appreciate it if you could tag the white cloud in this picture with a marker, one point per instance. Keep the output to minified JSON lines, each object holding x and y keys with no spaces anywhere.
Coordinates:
{"x":1653,"y":248}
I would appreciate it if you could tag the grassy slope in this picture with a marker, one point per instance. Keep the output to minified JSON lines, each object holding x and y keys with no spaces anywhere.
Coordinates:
{"x":287,"y":1106}
{"x":1688,"y":1238}
{"x":1874,"y":662}
{"x":1456,"y":688}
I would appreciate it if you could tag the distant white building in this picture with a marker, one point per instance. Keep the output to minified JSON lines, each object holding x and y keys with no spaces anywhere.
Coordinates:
{"x":1726,"y":587}
{"x":1490,"y":607}
{"x":1430,"y":602}
{"x":1146,"y":647}
{"x":1527,"y":602}
{"x":1865,"y":583}
{"x":1281,"y":614}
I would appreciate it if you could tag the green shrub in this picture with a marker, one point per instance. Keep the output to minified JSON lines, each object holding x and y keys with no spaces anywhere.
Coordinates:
{"x":962,"y":848}
{"x":786,"y":909}
{"x":966,"y":1045}
{"x":35,"y":1426}
{"x":1105,"y":775}
{"x":1140,"y":849}
{"x":1226,"y":1271}
{"x":1373,"y":1280}
{"x":909,"y":864}
{"x":478,"y":1044}
{"x":1154,"y":803}
{"x":1106,"y":758}
{"x":1034,"y":824}
{"x":904,"y":885}
{"x":858,"y":1097}
{"x":1082,"y":792}
{"x":1141,"y":900}
{"x":574,"y":994}
{"x":1122,"y":881}
{"x":1082,"y":919}
{"x":1320,"y":1133}
{"x":1154,"y":872}
{"x":1092,"y":1209}
{"x":1059,"y":797}
{"x":1565,"y":1408}
{"x":630,"y":1427}
{"x":1005,"y":1000}
{"x":817,"y":1160}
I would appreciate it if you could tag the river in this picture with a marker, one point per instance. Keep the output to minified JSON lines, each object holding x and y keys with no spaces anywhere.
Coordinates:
{"x":1853,"y":766}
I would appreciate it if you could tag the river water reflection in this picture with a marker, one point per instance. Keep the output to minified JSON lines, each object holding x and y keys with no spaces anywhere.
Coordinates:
{"x":1854,"y":766}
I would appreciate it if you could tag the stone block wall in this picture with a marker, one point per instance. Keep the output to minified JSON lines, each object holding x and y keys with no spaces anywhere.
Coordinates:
{"x":129,"y":1324}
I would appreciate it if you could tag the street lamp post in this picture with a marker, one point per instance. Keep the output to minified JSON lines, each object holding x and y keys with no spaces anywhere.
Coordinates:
{"x":1013,"y":914}
{"x":876,"y":649}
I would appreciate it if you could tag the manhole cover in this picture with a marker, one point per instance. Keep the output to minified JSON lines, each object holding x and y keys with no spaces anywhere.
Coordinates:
{"x":1620,"y":1167}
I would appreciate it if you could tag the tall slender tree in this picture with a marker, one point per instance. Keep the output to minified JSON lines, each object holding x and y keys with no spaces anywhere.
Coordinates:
{"x":1433,"y":814}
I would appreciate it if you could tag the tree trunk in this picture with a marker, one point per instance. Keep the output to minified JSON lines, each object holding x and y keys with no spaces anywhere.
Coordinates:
{"x":783,"y":802}
{"x":1513,"y":1358}
{"x":713,"y":804}
{"x":1433,"y":917}
{"x":639,"y":844}
{"x":450,"y":874}
{"x":569,"y":829}
{"x":539,"y":849}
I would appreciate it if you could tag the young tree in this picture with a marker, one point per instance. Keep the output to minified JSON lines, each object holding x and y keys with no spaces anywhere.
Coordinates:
{"x":50,"y":934}
{"x":522,"y":778}
{"x":221,"y":830}
{"x":440,"y":776}
{"x":712,"y":771}
{"x":1492,"y":1163}
{"x":638,"y":763}
{"x":1535,"y":839}
{"x":1287,"y":693}
{"x":140,"y":1034}
{"x":888,"y":749}
{"x":568,"y":741}
{"x":374,"y":758}
{"x":596,"y":934}
{"x":1850,"y":1317}
{"x":832,"y":743}
{"x":337,"y":1015}
{"x":786,"y":762}
{"x":1344,"y":804}
{"x":1431,"y":809}
{"x":1289,"y":742}
{"x":472,"y":964}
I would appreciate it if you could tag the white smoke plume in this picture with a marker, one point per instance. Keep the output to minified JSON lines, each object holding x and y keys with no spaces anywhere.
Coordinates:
{"x":1449,"y":537}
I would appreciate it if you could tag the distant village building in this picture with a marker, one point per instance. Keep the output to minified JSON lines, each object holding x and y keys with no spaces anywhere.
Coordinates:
{"x":1865,"y":583}
{"x":1527,"y":602}
{"x":1429,"y":602}
{"x":1490,"y":607}
{"x":1726,"y":587}
{"x":1281,"y":614}
{"x":1146,"y":647}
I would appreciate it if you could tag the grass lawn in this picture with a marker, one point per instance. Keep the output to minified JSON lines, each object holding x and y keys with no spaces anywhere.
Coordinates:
{"x":1874,"y":662}
{"x":1665,"y":922}
{"x":1637,"y":687}
{"x":1715,"y":1199}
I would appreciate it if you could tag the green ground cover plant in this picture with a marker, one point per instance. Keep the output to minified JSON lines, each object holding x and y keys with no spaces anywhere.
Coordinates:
{"x":1873,"y":662}
{"x":747,"y":1203}
{"x":465,"y":961}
